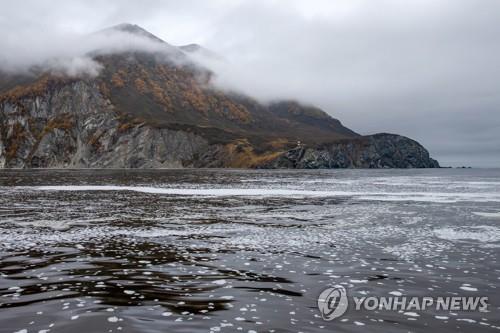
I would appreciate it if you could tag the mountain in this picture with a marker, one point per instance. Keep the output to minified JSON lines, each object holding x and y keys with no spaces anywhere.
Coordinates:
{"x":200,"y":51}
{"x":156,"y":108}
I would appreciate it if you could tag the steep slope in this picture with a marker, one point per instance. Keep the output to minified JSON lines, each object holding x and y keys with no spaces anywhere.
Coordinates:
{"x":165,"y":93}
{"x":374,"y":151}
{"x":151,"y":109}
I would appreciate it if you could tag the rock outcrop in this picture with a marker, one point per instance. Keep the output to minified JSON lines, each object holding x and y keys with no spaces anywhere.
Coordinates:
{"x":74,"y":126}
{"x":375,"y":151}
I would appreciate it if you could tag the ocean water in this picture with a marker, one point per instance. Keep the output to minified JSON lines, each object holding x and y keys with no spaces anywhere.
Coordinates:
{"x":244,"y":251}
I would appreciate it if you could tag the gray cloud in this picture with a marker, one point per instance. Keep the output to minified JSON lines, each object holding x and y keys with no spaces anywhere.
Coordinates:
{"x":71,"y":53}
{"x":426,"y":69}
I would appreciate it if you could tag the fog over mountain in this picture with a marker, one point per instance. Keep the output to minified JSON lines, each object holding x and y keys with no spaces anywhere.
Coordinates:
{"x":72,"y":54}
{"x":426,"y":69}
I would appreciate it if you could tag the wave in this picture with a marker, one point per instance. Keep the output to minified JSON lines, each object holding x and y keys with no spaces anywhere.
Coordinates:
{"x":438,"y":197}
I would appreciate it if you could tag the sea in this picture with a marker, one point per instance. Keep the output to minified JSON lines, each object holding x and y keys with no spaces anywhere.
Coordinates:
{"x":211,"y":250}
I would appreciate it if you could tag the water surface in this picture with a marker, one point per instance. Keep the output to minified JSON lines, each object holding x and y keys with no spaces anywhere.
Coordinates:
{"x":239,"y":250}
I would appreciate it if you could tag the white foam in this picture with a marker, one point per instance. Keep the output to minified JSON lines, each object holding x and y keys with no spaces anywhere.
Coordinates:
{"x":472,"y":321}
{"x":217,"y":192}
{"x":439,"y":197}
{"x":442,"y":317}
{"x":468,"y":288}
{"x":54,"y":225}
{"x":483,"y":234}
{"x":485,"y":214}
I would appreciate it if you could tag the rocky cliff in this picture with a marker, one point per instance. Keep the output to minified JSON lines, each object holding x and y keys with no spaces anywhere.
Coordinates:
{"x":374,"y":151}
{"x":74,"y":125}
{"x":158,"y":109}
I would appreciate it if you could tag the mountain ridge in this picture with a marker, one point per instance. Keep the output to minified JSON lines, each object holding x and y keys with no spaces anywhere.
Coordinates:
{"x":157,"y":109}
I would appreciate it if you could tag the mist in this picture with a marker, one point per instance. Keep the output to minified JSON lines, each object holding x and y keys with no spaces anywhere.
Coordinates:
{"x":429,"y":70}
{"x":70,"y":53}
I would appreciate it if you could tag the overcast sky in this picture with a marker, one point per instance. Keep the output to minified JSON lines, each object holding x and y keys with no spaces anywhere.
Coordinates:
{"x":427,"y":69}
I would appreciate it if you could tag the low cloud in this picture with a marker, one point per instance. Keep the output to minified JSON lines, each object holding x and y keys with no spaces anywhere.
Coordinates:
{"x":427,"y":69}
{"x":70,"y":66}
{"x":71,"y":54}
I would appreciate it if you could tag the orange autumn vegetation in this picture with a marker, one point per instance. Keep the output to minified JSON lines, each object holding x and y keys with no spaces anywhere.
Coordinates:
{"x":243,"y":155}
{"x":37,"y":88}
{"x":64,"y":122}
{"x":175,"y":89}
{"x":16,"y":138}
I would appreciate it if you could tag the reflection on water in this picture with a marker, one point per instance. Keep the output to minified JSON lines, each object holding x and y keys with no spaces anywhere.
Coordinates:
{"x":100,"y":259}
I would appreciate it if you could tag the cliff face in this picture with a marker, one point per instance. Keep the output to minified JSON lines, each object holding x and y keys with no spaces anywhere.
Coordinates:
{"x":157,"y":109}
{"x":374,"y":151}
{"x":57,"y":122}
{"x":73,"y":125}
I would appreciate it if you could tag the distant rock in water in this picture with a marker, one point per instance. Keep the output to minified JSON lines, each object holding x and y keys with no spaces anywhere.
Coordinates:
{"x":157,"y":109}
{"x":374,"y":151}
